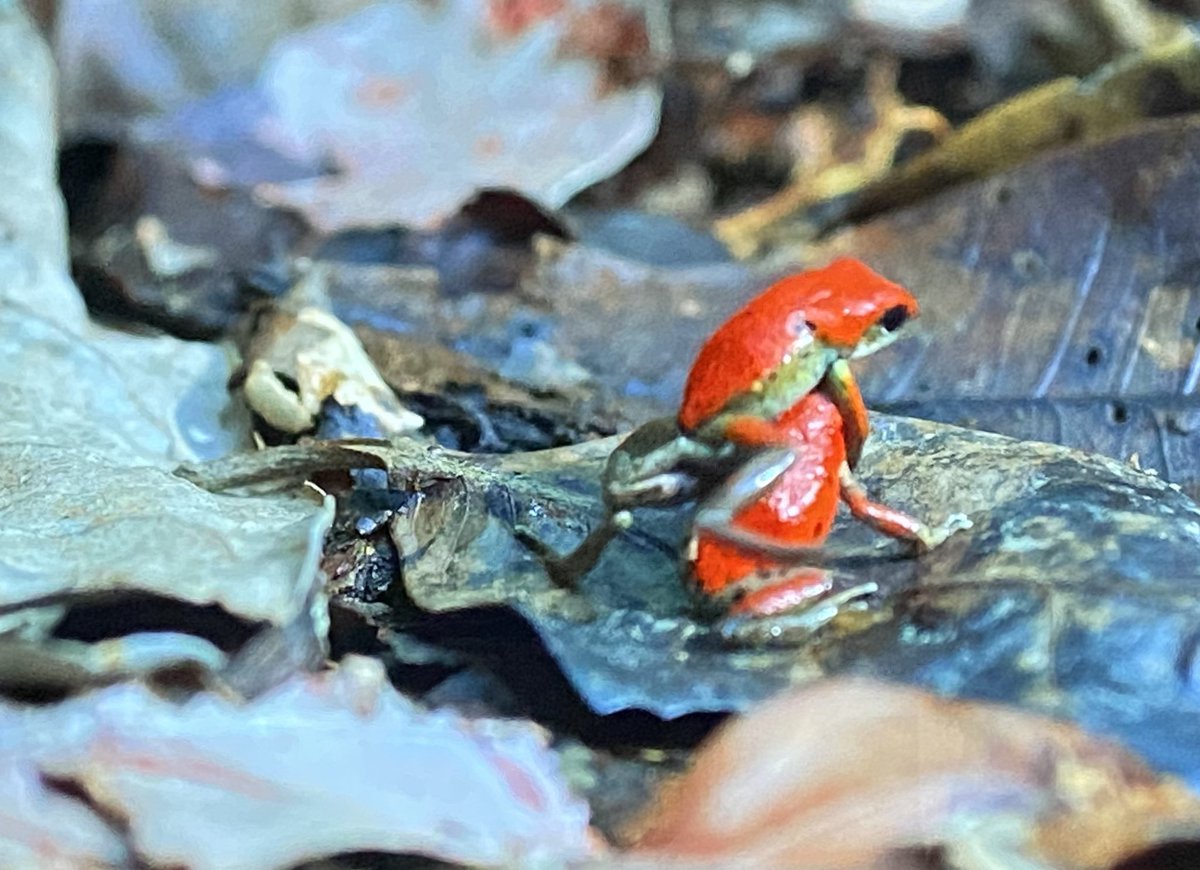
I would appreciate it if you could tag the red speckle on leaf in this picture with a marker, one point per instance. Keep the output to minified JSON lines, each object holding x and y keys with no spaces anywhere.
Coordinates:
{"x":380,"y":92}
{"x":522,"y":786}
{"x":510,"y":18}
{"x":489,"y":146}
{"x":178,"y":761}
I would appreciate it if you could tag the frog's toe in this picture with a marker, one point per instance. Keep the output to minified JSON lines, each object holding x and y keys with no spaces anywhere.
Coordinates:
{"x":934,"y":536}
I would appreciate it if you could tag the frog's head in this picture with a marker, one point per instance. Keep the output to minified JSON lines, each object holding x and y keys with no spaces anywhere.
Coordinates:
{"x":853,"y":309}
{"x":776,"y":348}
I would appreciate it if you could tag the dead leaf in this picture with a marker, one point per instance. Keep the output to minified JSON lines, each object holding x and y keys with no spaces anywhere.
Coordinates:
{"x":413,"y":141}
{"x":337,"y":762}
{"x":93,"y":418}
{"x":40,"y":827}
{"x":300,"y":356}
{"x":848,"y":773}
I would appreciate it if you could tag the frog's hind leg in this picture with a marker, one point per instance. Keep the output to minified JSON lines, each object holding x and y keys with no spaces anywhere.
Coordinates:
{"x":656,"y":465}
{"x":751,"y":533}
{"x":565,"y":571}
{"x":774,"y":620}
{"x":718,"y":514}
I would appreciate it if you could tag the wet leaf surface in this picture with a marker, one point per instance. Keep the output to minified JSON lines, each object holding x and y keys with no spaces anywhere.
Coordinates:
{"x":42,"y":828}
{"x":107,"y":521}
{"x":211,"y":783}
{"x":577,"y":327}
{"x":485,"y":247}
{"x":1154,"y":433}
{"x":88,"y":516}
{"x":469,"y":407}
{"x":656,"y":240}
{"x":1074,"y":560}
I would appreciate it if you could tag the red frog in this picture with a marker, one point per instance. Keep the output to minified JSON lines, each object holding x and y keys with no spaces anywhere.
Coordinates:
{"x":770,"y":427}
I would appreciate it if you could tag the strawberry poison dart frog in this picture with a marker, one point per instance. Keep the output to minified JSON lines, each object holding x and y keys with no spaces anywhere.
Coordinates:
{"x":767,"y":436}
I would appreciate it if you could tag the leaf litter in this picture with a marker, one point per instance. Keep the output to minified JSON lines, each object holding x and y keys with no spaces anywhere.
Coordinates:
{"x":319,"y":765}
{"x":1051,"y":603}
{"x":854,"y":773}
{"x":96,"y":419}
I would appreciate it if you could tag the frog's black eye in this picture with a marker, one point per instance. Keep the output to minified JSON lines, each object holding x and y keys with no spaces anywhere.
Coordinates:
{"x":894,"y":318}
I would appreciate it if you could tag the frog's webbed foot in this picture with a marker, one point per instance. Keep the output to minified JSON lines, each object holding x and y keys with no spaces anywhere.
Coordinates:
{"x":669,"y":487}
{"x":749,"y":624}
{"x":934,"y":536}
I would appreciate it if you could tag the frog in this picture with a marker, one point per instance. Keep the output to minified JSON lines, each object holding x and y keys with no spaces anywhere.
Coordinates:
{"x":769,"y":431}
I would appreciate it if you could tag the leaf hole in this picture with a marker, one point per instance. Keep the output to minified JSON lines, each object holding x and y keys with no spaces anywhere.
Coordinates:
{"x":1118,"y":412}
{"x":1094,"y":356}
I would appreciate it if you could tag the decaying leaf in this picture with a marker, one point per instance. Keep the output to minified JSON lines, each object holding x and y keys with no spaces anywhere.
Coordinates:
{"x":469,"y":407}
{"x":301,"y":356}
{"x":93,"y":417}
{"x":137,"y":529}
{"x":413,"y":140}
{"x":336,"y":762}
{"x":579,"y":322}
{"x":154,"y":400}
{"x":130,"y":533}
{"x":40,"y":827}
{"x":850,"y":773}
{"x":65,"y":380}
{"x":1156,"y":433}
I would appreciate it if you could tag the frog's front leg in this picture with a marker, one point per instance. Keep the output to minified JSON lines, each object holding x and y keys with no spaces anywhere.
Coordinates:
{"x":842,"y":389}
{"x":892,"y":522}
